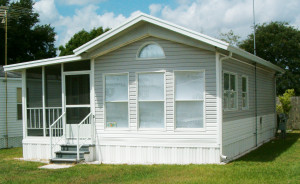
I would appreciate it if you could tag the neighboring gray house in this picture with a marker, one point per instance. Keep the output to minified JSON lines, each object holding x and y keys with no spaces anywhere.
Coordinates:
{"x":148,"y":91}
{"x":11,"y":131}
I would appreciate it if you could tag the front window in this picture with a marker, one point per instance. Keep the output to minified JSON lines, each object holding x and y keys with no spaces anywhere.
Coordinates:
{"x":150,"y":51}
{"x":189,"y":99}
{"x":229,"y":91}
{"x":151,"y":100}
{"x":116,"y":100}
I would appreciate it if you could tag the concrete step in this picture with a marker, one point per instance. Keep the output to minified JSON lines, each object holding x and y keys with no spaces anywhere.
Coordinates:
{"x":65,"y":160}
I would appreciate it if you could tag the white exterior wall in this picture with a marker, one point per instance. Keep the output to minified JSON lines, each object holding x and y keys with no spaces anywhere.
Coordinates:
{"x":15,"y":127}
{"x":239,"y":125}
{"x":168,"y":146}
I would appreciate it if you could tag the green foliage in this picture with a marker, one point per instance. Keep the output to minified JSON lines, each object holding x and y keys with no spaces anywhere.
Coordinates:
{"x":230,"y":37}
{"x":285,"y":102}
{"x":278,"y":42}
{"x":27,"y":39}
{"x":79,"y":39}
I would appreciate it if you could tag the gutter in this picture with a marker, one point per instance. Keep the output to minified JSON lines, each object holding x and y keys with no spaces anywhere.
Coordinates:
{"x":222,"y":157}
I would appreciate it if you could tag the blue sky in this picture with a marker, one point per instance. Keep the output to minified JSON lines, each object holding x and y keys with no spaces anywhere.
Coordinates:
{"x":210,"y":17}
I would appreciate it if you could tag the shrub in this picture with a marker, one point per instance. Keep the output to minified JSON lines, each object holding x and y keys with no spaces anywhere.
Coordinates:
{"x":285,"y":102}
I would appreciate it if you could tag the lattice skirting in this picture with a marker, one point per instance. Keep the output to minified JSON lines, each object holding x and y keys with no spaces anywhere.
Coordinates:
{"x":12,"y":142}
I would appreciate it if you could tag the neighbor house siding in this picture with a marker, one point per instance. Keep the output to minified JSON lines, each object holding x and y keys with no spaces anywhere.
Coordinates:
{"x":170,"y":145}
{"x":14,"y":125}
{"x":239,"y":125}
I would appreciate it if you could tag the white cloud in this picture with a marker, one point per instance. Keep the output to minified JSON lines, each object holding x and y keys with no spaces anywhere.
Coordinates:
{"x":154,"y":9}
{"x":214,"y":16}
{"x":47,"y":10}
{"x":81,"y":2}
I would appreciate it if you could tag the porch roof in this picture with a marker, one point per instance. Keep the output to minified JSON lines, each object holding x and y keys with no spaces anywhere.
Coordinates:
{"x":152,"y":20}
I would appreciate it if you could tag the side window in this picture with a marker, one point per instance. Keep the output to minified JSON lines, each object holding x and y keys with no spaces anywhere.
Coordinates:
{"x":116,"y":100}
{"x":245,"y":92}
{"x":19,"y":103}
{"x":229,"y":91}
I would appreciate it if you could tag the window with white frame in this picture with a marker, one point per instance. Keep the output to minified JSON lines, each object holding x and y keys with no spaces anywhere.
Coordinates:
{"x":189,"y":99}
{"x":229,"y":91}
{"x":151,"y":104}
{"x":19,"y":103}
{"x":116,"y":100}
{"x":150,"y":51}
{"x":244,"y":92}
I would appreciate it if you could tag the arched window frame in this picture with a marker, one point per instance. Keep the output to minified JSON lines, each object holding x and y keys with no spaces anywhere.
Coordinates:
{"x":144,"y":45}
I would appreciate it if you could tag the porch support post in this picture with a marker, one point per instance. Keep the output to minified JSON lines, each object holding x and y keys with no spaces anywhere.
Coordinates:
{"x":44,"y":100}
{"x":92,"y":100}
{"x":24,"y":104}
{"x":63,"y":99}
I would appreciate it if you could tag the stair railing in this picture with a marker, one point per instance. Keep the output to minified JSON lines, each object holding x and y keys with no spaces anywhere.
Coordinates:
{"x":88,"y":120}
{"x":56,"y":130}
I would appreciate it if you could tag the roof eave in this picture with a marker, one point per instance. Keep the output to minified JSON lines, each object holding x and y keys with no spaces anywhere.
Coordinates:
{"x":42,"y":62}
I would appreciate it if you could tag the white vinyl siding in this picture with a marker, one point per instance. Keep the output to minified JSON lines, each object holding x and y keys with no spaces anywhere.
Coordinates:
{"x":116,"y":100}
{"x":189,"y":99}
{"x":151,"y":101}
{"x":230,"y":99}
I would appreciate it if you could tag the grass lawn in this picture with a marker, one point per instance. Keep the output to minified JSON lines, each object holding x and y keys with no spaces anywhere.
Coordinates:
{"x":275,"y":162}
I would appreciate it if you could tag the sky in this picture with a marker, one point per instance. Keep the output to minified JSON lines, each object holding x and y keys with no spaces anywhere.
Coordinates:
{"x":210,"y":17}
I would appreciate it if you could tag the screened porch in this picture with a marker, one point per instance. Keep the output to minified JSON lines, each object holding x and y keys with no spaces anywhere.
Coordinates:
{"x":58,"y":101}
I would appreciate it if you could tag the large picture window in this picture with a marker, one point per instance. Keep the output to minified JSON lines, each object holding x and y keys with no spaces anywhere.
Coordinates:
{"x":189,"y":99}
{"x":151,"y":100}
{"x":116,"y":100}
{"x":230,"y":91}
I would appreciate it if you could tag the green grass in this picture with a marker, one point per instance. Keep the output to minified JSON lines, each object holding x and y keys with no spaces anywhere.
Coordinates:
{"x":275,"y":162}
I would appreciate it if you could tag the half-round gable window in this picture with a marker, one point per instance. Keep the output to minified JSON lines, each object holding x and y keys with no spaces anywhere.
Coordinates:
{"x":150,"y":51}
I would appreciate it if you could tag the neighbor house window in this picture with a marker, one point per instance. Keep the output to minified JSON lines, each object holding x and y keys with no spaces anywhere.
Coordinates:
{"x":151,"y":100}
{"x":189,"y":99}
{"x":230,"y":91}
{"x":116,"y":100}
{"x":150,"y":50}
{"x":244,"y":92}
{"x":19,"y":103}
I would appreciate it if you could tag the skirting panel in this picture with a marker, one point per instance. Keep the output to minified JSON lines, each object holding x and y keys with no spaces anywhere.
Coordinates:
{"x":112,"y":154}
{"x":12,"y":142}
{"x":33,"y":151}
{"x":238,"y":147}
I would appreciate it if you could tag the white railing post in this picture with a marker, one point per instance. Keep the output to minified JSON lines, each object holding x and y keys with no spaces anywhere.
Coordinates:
{"x":51,"y":151}
{"x":78,"y":142}
{"x":50,"y":130}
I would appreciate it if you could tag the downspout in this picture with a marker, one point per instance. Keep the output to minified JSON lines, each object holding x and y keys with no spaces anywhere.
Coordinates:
{"x":255,"y":82}
{"x":220,"y":90}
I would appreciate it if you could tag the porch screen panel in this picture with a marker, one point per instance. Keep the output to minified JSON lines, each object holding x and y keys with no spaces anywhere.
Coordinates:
{"x":53,"y":94}
{"x":34,"y":102}
{"x":189,"y":99}
{"x":151,"y":100}
{"x":116,"y":100}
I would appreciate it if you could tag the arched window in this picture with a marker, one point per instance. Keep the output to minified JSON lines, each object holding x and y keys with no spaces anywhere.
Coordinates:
{"x":150,"y":50}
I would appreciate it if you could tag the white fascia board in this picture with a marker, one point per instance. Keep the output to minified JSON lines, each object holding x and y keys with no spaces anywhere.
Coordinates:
{"x":155,"y":21}
{"x":42,"y":62}
{"x":254,"y":58}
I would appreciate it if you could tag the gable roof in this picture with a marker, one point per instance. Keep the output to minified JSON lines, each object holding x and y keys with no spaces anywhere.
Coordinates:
{"x":152,"y":20}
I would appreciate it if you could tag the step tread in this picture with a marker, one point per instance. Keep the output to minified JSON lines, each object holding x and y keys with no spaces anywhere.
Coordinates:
{"x":73,"y":152}
{"x":75,"y":145}
{"x":66,"y":160}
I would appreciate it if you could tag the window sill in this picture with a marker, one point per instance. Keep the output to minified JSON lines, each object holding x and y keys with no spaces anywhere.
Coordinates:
{"x":190,"y":130}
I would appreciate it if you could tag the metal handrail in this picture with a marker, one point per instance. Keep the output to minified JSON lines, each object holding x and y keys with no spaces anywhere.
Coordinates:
{"x":78,"y":133}
{"x":50,"y":129}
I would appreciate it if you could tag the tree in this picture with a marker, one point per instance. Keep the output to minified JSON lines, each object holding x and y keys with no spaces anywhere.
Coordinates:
{"x":27,"y":39}
{"x":230,"y":37}
{"x":79,"y":39}
{"x":278,"y":42}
